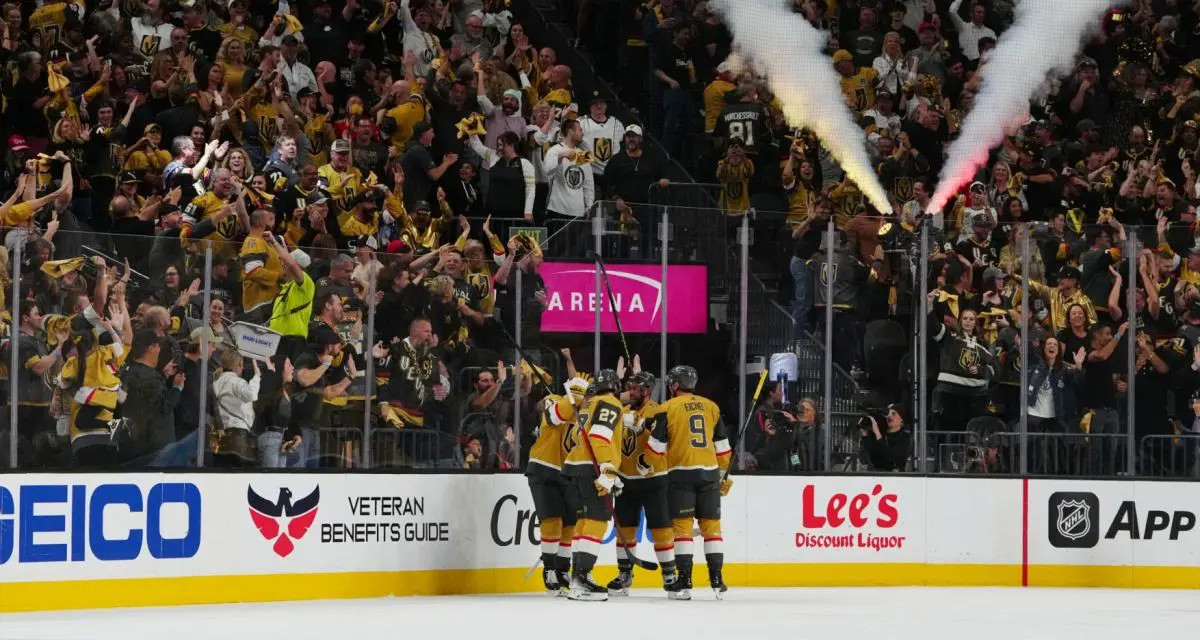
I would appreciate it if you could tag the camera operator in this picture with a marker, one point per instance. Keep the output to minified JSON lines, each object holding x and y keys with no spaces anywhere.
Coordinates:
{"x":784,"y":438}
{"x":772,"y":435}
{"x":884,"y":441}
{"x":985,"y":457}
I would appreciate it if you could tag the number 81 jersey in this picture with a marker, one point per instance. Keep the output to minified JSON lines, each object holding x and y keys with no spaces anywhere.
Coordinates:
{"x":689,"y":432}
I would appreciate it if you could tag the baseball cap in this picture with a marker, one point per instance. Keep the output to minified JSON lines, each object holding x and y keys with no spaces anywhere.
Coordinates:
{"x":341,"y":145}
{"x":422,"y":205}
{"x":289,"y":41}
{"x":927,"y":26}
{"x":152,"y":127}
{"x":841,"y":55}
{"x":724,"y":67}
{"x":301,"y":258}
{"x":129,"y":176}
{"x":634,"y":129}
{"x":199,"y":332}
{"x":1087,"y":124}
{"x":597,"y":97}
{"x":17,"y":143}
{"x":398,"y":246}
{"x":1069,"y":272}
{"x":317,"y":197}
{"x":993,"y":273}
{"x":305,"y":92}
{"x":884,"y":94}
{"x":420,"y":128}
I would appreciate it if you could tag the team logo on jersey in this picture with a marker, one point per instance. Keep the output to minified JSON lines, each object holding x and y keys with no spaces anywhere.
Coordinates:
{"x":968,"y":359}
{"x":268,"y":128}
{"x":904,"y":187}
{"x":733,"y":191}
{"x":825,"y":273}
{"x":149,"y":45}
{"x":227,"y":227}
{"x":603,"y":148}
{"x":574,"y":177}
{"x":283,"y":521}
{"x":628,"y":443}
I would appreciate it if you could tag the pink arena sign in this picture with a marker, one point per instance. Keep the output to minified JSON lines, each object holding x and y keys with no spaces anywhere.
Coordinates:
{"x":572,"y":298}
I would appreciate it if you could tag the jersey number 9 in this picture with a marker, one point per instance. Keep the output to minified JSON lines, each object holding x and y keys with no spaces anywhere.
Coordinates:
{"x":699,"y":433}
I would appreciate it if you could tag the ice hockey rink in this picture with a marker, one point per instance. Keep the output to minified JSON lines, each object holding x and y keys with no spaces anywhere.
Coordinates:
{"x":817,"y":613}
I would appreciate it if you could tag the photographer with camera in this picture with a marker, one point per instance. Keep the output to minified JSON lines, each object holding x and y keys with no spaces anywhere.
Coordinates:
{"x":884,"y":441}
{"x":781,"y":433}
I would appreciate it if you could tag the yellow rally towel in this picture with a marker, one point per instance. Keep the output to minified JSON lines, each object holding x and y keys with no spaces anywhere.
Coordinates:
{"x":58,"y":268}
{"x":471,"y":125}
{"x":57,"y":81}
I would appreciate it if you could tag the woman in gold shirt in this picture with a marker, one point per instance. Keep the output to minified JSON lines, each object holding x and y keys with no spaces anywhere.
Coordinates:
{"x":232,"y":59}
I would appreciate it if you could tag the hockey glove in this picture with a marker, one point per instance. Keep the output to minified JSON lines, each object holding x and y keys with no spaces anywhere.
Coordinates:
{"x":608,"y":482}
{"x":726,"y":485}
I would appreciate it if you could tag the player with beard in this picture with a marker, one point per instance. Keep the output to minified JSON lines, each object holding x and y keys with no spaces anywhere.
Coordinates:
{"x":645,"y":478}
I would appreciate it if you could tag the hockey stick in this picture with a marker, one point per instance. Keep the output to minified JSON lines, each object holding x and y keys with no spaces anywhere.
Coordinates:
{"x":645,"y":564}
{"x":762,"y":379}
{"x":612,"y":302}
{"x":608,"y":502}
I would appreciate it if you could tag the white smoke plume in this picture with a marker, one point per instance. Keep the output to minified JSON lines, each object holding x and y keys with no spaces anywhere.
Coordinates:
{"x":785,"y":47}
{"x":1042,"y":41}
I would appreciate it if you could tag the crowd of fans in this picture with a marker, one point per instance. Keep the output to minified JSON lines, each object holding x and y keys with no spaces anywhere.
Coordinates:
{"x":293,"y":166}
{"x":1106,"y":157}
{"x":297,"y":158}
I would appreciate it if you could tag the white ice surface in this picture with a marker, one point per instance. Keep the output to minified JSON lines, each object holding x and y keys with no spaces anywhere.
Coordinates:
{"x":792,"y":614}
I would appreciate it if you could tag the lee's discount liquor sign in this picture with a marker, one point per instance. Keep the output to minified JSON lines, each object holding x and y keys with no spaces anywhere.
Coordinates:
{"x":866,"y":519}
{"x":639,"y":293}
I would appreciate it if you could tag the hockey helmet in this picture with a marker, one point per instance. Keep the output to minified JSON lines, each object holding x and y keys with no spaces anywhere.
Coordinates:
{"x":606,"y":380}
{"x":684,"y":376}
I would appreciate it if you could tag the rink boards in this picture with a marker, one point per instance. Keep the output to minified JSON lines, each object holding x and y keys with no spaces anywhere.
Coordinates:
{"x":84,"y":541}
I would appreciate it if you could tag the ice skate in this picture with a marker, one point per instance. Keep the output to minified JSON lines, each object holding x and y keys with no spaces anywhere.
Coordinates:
{"x":584,"y":588}
{"x":620,"y":584}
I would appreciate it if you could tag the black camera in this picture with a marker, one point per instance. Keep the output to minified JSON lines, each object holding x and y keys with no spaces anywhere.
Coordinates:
{"x":879,"y":415}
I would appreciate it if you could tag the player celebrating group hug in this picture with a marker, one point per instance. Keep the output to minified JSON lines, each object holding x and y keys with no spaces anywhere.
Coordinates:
{"x":669,"y":460}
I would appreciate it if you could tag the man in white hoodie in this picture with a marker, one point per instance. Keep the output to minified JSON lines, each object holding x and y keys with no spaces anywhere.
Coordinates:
{"x":572,"y":187}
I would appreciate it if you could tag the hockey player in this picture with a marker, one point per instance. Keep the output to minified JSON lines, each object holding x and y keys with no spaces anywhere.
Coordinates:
{"x":553,"y":501}
{"x":689,"y":432}
{"x":591,"y":468}
{"x":645,"y":478}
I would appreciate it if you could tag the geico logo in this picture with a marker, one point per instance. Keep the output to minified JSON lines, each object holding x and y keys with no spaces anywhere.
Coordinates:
{"x":1126,"y":521}
{"x":58,"y":522}
{"x":841,"y":509}
{"x":508,"y":523}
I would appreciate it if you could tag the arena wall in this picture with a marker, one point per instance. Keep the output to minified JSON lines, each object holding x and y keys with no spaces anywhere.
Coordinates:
{"x":88,"y":541}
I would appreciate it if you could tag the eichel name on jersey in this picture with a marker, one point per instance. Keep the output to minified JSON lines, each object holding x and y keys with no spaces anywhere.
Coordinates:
{"x":689,"y":432}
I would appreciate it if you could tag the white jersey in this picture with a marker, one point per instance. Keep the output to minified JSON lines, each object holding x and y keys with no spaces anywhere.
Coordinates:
{"x":425,"y":46}
{"x":572,"y":186}
{"x":541,"y":144}
{"x":603,"y":139}
{"x":149,"y":39}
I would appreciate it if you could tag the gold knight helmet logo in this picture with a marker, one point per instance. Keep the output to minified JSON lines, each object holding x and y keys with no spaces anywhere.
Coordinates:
{"x":603,"y":148}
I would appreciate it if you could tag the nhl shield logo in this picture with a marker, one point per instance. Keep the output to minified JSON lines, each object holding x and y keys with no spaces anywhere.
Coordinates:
{"x":1073,"y":521}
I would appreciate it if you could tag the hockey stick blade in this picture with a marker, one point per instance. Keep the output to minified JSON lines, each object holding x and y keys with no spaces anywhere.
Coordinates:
{"x":533,"y":568}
